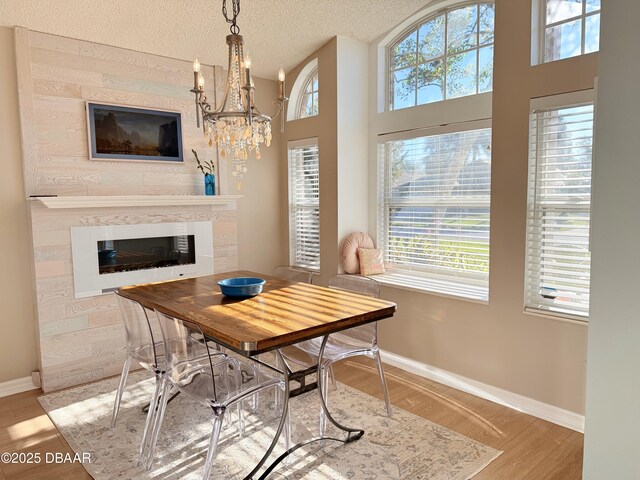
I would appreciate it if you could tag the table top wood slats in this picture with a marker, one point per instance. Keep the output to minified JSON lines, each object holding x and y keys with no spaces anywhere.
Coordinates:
{"x":284,"y":313}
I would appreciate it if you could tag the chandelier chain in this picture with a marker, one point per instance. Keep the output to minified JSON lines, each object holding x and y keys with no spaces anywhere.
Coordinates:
{"x":235,"y":29}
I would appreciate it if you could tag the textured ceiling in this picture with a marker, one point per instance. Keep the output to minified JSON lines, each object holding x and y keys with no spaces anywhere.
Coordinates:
{"x":276,"y":32}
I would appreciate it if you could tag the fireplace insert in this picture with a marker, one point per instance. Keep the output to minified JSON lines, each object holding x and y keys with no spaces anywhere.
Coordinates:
{"x":131,"y":254}
{"x":110,"y":256}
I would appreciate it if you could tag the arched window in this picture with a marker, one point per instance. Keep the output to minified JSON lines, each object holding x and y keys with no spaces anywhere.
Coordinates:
{"x":308,"y":103}
{"x":447,"y":55}
{"x":303,"y":101}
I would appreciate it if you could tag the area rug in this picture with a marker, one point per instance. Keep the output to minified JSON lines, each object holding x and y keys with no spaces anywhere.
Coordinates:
{"x":404,"y":446}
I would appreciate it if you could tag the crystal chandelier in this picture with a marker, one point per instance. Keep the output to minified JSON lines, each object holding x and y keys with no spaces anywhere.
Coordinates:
{"x":236,"y":127}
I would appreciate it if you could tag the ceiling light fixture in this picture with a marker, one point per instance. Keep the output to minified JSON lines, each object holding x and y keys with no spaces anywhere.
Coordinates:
{"x":237,"y":127}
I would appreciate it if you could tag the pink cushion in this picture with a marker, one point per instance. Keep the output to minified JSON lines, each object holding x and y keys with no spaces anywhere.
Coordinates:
{"x":349,"y":250}
{"x":371,"y":261}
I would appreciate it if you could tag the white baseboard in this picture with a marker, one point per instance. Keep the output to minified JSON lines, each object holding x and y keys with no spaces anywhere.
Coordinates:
{"x":18,"y":385}
{"x":518,"y":402}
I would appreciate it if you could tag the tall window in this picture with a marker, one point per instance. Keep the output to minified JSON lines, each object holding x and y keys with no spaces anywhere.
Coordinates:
{"x":309,"y":99}
{"x":571,"y":27}
{"x":435,"y":192}
{"x":434,"y":179}
{"x":304,"y":204}
{"x":448,"y":55}
{"x":558,"y":258}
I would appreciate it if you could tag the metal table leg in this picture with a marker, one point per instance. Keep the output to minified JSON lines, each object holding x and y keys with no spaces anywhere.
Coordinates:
{"x":283,"y":419}
{"x":353,"y":434}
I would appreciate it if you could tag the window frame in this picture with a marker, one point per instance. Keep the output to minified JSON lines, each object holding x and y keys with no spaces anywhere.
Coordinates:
{"x":300,"y":107}
{"x":545,"y":104}
{"x":297,"y":90}
{"x":539,"y":28}
{"x":413,"y":27}
{"x":293,"y":205}
{"x":468,"y":286}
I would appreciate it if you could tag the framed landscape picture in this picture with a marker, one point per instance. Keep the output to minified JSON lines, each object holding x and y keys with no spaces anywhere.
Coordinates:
{"x":132,"y":133}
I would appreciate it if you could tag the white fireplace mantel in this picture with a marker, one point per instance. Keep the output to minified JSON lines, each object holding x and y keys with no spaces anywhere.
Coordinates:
{"x":134,"y":201}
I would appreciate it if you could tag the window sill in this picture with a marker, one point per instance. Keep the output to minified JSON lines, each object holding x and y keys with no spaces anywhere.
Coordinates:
{"x":433,"y":285}
{"x":562,"y":317}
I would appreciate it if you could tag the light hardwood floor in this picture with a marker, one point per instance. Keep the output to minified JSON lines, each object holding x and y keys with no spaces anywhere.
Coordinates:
{"x":533,"y":449}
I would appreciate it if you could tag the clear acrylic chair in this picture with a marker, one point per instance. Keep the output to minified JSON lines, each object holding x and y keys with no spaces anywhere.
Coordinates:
{"x":212,"y":380}
{"x":145,"y":347}
{"x":293,"y":274}
{"x":357,"y":341}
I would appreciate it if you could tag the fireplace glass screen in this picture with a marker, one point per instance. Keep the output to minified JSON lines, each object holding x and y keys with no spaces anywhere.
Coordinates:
{"x":142,"y":253}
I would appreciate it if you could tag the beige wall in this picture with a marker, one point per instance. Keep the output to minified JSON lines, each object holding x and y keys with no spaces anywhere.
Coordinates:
{"x":352,"y":132}
{"x":17,"y":326}
{"x":613,"y":387}
{"x":259,"y":222}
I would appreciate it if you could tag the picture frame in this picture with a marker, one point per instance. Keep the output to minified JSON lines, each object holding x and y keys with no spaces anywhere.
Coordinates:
{"x":128,"y":133}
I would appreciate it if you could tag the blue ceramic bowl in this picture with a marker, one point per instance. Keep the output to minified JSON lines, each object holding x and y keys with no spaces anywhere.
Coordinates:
{"x":241,"y":286}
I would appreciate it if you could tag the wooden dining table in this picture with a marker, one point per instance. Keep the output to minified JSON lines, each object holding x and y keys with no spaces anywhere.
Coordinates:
{"x":284,"y":313}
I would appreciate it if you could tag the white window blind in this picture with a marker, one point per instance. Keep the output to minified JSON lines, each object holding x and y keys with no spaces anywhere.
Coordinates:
{"x":435,"y":194}
{"x":304,"y":204}
{"x":558,"y":257}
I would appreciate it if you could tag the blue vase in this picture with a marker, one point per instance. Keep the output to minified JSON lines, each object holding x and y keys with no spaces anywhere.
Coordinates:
{"x":209,"y":184}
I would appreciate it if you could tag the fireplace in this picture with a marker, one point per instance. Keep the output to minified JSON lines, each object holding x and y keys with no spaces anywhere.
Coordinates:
{"x":108,"y":257}
{"x":131,"y":254}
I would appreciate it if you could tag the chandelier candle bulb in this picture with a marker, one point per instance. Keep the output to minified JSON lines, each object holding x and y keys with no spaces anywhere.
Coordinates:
{"x":200,"y":81}
{"x":196,"y":74}
{"x":281,"y":82}
{"x":247,"y":69}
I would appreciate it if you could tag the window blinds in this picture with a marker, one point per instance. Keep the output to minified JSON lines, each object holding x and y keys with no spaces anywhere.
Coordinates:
{"x":435,"y":196}
{"x":304,"y":204}
{"x":558,"y":257}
